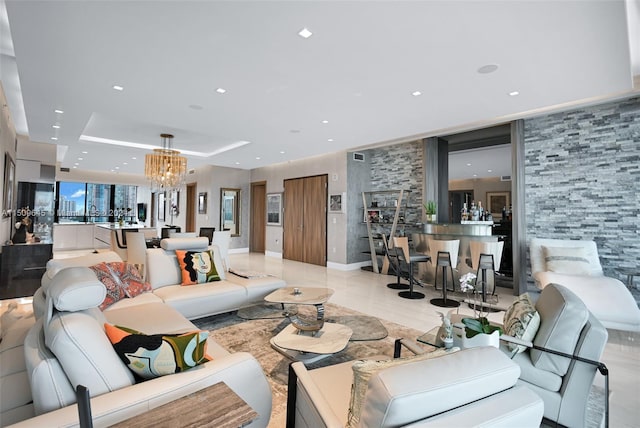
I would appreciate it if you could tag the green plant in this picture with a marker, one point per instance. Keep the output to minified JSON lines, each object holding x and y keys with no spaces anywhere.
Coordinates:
{"x":475,"y":326}
{"x":430,"y":208}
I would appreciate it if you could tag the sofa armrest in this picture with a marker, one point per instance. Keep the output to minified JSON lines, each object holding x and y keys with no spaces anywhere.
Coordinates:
{"x":240,"y":371}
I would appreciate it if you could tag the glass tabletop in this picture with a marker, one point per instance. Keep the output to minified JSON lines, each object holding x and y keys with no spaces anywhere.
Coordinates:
{"x":433,"y":337}
{"x":306,"y":295}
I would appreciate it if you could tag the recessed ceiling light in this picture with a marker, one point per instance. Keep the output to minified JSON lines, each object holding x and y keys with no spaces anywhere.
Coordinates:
{"x":125,"y":163}
{"x":475,"y":175}
{"x":58,"y":111}
{"x":80,"y":158}
{"x":76,"y":164}
{"x":56,"y":126}
{"x":237,"y":163}
{"x":221,"y":90}
{"x":118,"y":87}
{"x":416,"y":93}
{"x":134,"y":158}
{"x":489,"y":170}
{"x":117,"y":167}
{"x":489,"y":68}
{"x":514,"y":93}
{"x":74,"y":167}
{"x":305,"y":33}
{"x":281,"y":152}
{"x":330,"y":139}
{"x":468,"y":164}
{"x":85,"y":152}
{"x":325,"y":121}
{"x":54,"y":138}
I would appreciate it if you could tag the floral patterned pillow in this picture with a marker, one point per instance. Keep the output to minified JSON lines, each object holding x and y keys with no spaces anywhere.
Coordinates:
{"x":111,"y":282}
{"x":131,"y":281}
{"x":521,"y":320}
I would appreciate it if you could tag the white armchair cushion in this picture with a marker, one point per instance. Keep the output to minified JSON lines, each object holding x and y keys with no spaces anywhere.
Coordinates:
{"x":571,"y":260}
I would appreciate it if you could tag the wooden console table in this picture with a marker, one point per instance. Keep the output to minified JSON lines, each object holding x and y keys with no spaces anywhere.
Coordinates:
{"x":216,"y":406}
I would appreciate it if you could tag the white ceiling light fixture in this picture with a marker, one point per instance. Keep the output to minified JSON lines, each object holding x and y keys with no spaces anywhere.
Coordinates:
{"x":165,"y":168}
{"x":58,"y":111}
{"x":118,"y":87}
{"x":305,"y":33}
{"x":56,"y":126}
{"x":221,"y":90}
{"x":514,"y":93}
{"x":54,"y":138}
{"x":416,"y":93}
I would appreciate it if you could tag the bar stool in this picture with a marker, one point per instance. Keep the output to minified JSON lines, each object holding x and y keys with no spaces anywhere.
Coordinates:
{"x":402,"y":243}
{"x":396,"y":266}
{"x":444,"y":250}
{"x":486,"y":256}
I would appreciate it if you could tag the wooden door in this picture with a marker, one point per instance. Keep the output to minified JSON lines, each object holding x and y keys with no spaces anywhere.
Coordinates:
{"x":258,"y":217}
{"x":190,"y":221}
{"x":293,"y":220}
{"x":305,"y":220}
{"x":315,"y":220}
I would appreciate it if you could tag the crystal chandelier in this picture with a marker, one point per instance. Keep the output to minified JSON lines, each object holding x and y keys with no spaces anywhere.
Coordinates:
{"x":165,"y":168}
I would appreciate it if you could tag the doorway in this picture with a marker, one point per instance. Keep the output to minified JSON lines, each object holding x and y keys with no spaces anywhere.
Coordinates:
{"x":257,"y":232}
{"x":190,"y":221}
{"x":305,"y":220}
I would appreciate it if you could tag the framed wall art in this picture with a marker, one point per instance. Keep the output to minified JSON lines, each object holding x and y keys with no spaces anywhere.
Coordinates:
{"x":161,"y":206}
{"x":274,"y":209}
{"x":496,"y":201}
{"x":9,"y":185}
{"x":337,"y":202}
{"x":202,"y":203}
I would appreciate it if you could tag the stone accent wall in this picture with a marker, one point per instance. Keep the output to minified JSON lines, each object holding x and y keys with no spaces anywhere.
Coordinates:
{"x":582,"y":179}
{"x":400,"y":167}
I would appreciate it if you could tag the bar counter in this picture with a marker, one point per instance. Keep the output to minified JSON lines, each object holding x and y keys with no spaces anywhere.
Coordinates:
{"x":465,"y":232}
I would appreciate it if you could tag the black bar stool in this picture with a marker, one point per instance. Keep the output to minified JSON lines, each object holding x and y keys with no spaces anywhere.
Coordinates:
{"x":402,"y":243}
{"x":444,"y":261}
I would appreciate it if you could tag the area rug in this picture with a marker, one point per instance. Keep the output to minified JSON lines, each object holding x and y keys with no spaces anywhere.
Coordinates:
{"x":237,"y":334}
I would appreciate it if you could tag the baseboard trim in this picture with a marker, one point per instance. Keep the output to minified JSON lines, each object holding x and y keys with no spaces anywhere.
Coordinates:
{"x":347,"y":267}
{"x":238,"y":250}
{"x":273,"y":254}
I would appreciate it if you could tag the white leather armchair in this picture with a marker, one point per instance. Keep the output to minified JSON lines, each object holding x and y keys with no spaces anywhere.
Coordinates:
{"x":473,"y":387}
{"x":576,"y":265}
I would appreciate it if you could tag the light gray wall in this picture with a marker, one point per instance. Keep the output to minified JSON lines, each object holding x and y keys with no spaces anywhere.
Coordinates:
{"x":8,"y":144}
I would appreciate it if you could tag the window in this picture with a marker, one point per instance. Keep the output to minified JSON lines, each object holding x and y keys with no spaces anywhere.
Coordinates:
{"x":92,"y":202}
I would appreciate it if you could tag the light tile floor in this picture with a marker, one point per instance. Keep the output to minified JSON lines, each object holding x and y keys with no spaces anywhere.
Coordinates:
{"x":367,"y":292}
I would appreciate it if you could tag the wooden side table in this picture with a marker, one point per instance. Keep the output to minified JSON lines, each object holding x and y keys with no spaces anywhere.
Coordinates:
{"x":216,"y":406}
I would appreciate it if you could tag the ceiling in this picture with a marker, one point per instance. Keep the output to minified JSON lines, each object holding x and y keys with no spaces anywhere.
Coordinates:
{"x":351,"y":85}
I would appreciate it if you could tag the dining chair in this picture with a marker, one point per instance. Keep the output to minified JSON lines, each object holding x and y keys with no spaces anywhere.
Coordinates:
{"x":137,"y":251}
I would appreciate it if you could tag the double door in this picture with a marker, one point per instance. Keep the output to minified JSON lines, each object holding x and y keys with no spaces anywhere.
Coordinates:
{"x":305,"y":220}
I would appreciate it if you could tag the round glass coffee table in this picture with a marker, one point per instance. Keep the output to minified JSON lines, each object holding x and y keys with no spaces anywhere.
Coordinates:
{"x":307,"y":339}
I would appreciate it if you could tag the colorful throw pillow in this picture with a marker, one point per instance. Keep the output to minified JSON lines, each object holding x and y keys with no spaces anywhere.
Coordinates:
{"x":197,"y":267}
{"x":363,"y":370}
{"x":115,"y":291}
{"x":521,"y":320}
{"x":131,"y":281}
{"x":568,"y":260}
{"x":150,"y":356}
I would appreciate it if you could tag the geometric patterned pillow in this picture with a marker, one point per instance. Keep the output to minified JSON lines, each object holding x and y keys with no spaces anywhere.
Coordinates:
{"x":130,"y":279}
{"x":112,"y":283}
{"x":521,"y":320}
{"x":150,"y":356}
{"x":197,"y":267}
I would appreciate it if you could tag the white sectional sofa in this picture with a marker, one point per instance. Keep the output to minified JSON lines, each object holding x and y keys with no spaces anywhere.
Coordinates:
{"x":67,"y":344}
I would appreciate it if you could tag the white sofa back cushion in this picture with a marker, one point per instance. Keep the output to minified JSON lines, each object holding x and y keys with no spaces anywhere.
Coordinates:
{"x":537,"y":256}
{"x":56,"y":265}
{"x":162,"y":265}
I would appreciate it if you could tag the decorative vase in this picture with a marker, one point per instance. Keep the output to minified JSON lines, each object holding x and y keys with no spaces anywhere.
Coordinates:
{"x":448,"y":342}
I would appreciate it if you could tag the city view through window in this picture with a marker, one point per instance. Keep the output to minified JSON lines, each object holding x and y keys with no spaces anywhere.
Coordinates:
{"x":82,"y":202}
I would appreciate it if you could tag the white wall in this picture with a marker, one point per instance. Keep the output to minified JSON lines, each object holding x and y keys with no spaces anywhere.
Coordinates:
{"x":8,"y":146}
